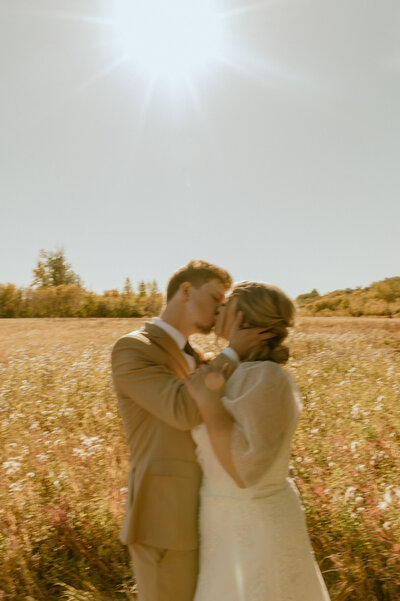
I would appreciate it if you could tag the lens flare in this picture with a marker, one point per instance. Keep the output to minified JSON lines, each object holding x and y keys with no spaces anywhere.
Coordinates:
{"x":169,"y":40}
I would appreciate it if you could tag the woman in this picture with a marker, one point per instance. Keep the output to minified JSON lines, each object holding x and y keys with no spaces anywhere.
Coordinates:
{"x":254,"y":542}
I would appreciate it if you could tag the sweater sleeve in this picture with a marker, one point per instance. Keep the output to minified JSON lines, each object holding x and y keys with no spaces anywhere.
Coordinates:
{"x":262,"y":414}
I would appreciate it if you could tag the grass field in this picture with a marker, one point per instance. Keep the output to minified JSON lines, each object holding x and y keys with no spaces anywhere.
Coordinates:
{"x":64,"y":457}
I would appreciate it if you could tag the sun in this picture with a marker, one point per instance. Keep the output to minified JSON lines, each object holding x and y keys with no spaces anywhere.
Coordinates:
{"x":169,"y":40}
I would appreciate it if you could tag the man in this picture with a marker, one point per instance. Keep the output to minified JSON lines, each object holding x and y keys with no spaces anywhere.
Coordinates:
{"x":149,"y":367}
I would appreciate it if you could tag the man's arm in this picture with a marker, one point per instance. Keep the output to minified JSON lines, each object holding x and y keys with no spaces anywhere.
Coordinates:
{"x":156,"y":389}
{"x":152,"y":386}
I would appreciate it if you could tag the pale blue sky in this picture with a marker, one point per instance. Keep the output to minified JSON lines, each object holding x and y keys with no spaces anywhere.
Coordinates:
{"x":280,"y":161}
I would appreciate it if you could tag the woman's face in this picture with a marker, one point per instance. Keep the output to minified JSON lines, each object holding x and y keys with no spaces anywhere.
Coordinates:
{"x":226,"y":317}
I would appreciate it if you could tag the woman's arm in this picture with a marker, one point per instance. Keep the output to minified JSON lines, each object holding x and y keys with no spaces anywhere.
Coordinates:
{"x":205,"y":387}
{"x":246,"y":444}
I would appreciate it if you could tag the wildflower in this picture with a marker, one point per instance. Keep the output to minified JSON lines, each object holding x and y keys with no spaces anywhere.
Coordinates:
{"x":349,"y":494}
{"x":11,"y":467}
{"x":392,"y":494}
{"x":16,"y":486}
{"x":41,"y":457}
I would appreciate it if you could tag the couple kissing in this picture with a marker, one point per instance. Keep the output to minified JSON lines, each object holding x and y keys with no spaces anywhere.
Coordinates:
{"x":211,"y":513}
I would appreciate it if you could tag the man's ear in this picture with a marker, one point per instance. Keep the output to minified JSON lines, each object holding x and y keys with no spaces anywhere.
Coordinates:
{"x":184,"y":291}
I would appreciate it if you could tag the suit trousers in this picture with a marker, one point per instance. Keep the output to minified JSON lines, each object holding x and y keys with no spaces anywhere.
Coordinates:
{"x":164,"y":574}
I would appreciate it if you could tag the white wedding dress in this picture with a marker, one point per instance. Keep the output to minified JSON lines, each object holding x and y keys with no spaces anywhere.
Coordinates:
{"x":254,"y":544}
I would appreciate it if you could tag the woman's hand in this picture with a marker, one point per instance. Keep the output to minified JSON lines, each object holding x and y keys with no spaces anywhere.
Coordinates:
{"x":205,"y":385}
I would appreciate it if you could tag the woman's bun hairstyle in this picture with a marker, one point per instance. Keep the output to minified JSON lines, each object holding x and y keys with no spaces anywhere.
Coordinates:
{"x":268,"y":307}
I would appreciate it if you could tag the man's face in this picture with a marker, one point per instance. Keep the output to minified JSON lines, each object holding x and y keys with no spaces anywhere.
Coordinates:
{"x":204,"y":304}
{"x":226,"y":317}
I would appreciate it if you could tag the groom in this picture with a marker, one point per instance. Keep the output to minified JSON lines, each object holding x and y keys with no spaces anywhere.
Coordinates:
{"x":149,"y":366}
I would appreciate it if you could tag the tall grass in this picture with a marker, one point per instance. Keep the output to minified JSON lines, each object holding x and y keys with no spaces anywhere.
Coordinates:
{"x":64,"y":461}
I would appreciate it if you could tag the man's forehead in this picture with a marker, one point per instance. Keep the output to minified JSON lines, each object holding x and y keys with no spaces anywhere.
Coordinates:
{"x":215,"y":285}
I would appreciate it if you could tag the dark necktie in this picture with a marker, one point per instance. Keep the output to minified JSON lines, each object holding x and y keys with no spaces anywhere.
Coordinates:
{"x":189,"y":350}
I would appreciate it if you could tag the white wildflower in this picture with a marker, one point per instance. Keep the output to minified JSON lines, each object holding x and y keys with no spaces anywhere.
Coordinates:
{"x":349,"y":494}
{"x":16,"y":486}
{"x":11,"y":467}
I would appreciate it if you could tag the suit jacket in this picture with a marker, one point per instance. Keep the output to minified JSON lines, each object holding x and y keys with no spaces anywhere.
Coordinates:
{"x":158,"y":414}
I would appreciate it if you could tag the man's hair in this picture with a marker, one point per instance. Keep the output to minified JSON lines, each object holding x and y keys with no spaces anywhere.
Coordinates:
{"x":197,"y":273}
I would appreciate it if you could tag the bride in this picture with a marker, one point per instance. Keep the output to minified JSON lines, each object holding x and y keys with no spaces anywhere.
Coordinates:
{"x":254,"y":541}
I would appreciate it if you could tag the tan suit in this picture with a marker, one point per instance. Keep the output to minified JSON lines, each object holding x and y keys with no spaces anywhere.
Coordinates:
{"x":164,"y":478}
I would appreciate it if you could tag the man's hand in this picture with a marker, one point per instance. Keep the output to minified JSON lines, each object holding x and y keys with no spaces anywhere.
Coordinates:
{"x":246,"y":340}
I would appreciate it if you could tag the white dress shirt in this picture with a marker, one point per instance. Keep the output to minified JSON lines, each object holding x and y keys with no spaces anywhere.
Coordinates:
{"x":179,"y":338}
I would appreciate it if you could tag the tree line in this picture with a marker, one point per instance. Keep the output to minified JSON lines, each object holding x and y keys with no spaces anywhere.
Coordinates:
{"x":57,"y":291}
{"x":379,"y":299}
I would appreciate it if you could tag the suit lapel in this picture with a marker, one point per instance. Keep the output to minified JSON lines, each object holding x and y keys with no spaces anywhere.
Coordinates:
{"x":168,"y":344}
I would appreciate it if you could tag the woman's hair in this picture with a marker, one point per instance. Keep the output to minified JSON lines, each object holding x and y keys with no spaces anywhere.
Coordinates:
{"x":268,"y":307}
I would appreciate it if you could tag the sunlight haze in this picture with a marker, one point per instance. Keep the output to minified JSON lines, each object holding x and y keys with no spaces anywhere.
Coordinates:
{"x":262,"y":136}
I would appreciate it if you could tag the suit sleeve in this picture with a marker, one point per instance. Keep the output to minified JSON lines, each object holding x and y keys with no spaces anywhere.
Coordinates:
{"x":152,"y":386}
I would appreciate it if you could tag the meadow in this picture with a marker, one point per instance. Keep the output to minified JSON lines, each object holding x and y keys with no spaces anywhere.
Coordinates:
{"x":64,"y":457}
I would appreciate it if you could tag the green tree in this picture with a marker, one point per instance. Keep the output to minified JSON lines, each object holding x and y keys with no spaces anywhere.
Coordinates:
{"x":308,"y":297}
{"x":388,"y":289}
{"x":142,"y":289}
{"x":128,"y":288}
{"x":52,"y":270}
{"x":11,"y":301}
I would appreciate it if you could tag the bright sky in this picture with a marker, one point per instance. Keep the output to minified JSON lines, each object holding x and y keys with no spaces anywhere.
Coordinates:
{"x":263,"y":136}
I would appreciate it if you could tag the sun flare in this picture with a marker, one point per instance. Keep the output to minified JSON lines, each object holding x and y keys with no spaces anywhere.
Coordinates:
{"x":170,"y":41}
